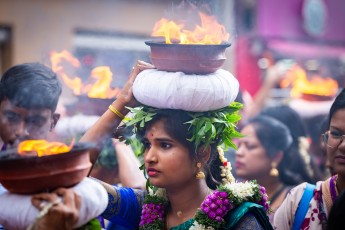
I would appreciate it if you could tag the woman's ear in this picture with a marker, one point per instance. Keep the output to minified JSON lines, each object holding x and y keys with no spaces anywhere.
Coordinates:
{"x":277,"y":158}
{"x":204,"y":153}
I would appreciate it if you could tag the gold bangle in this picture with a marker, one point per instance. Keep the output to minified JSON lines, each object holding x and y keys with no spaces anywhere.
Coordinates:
{"x":116,"y":112}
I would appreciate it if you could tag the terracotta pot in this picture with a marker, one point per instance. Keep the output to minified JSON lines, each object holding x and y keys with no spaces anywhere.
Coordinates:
{"x":190,"y":59}
{"x":89,"y":106}
{"x":314,"y":97}
{"x":32,"y":174}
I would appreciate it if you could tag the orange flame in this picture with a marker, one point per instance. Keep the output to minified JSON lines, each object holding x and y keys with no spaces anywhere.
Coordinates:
{"x":209,"y":32}
{"x":43,"y":147}
{"x":56,"y":58}
{"x":101,"y":88}
{"x":103,"y":75}
{"x":316,"y":85}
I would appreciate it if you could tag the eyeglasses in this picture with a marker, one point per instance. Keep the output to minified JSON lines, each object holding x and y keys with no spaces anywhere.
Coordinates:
{"x":333,"y":138}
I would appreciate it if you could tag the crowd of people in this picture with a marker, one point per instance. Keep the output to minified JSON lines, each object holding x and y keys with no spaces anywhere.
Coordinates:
{"x":277,"y":182}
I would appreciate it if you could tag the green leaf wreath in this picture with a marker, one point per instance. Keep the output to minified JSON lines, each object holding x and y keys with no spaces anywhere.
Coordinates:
{"x":205,"y":127}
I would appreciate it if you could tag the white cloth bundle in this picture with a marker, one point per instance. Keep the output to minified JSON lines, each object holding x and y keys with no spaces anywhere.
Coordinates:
{"x":73,"y":126}
{"x":17,"y":212}
{"x":177,"y":90}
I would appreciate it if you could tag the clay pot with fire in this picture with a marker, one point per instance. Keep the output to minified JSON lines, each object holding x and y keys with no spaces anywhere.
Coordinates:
{"x":187,"y":58}
{"x":201,"y":51}
{"x":40,"y":166}
{"x":309,"y":88}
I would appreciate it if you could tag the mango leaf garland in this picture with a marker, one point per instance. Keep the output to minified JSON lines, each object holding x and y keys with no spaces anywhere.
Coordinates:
{"x":141,"y":115}
{"x":205,"y":127}
{"x":128,"y":131}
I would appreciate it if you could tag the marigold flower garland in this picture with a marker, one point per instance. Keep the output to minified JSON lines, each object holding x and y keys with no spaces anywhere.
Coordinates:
{"x":216,"y":205}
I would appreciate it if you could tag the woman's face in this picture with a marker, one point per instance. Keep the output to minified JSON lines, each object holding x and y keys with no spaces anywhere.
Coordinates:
{"x":336,"y":154}
{"x":251,"y":159}
{"x":167,"y":161}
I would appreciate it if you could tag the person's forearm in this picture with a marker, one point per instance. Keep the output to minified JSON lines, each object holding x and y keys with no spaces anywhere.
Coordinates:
{"x":111,"y":119}
{"x":259,"y":100}
{"x":104,"y":127}
{"x":129,"y":173}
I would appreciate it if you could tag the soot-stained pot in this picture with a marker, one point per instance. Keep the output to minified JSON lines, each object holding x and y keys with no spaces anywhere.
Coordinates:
{"x":187,"y":58}
{"x":32,"y":174}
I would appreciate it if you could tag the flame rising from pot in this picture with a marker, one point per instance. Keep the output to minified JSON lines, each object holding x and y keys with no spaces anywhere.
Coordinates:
{"x":101,"y":75}
{"x":43,"y":147}
{"x":209,"y":32}
{"x":315,"y":85}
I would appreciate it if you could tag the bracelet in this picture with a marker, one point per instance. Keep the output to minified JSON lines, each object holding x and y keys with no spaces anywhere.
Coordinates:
{"x":116,"y":112}
{"x":45,"y":209}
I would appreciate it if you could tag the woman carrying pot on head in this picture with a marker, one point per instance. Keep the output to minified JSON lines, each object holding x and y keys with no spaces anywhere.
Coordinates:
{"x":190,"y":183}
{"x":308,"y":206}
{"x":187,"y":177}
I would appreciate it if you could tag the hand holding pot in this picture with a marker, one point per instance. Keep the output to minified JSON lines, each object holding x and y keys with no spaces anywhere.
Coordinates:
{"x":126,"y":97}
{"x":58,"y":210}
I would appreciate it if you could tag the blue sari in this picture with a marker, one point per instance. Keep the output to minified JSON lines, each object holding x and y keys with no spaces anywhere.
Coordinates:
{"x":124,"y":207}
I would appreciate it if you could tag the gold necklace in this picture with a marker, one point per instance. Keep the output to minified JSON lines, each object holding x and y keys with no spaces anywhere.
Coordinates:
{"x":179,"y":213}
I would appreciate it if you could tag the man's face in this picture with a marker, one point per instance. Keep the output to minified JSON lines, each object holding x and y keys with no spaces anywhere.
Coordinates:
{"x":18,"y":124}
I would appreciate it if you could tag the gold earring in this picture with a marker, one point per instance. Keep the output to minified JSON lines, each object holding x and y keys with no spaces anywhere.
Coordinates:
{"x":200,"y":174}
{"x":274,"y":171}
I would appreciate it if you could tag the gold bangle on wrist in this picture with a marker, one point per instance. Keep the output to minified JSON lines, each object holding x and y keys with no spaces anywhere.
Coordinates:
{"x":116,"y":112}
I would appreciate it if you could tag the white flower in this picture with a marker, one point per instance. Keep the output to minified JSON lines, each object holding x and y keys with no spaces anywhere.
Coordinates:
{"x":197,"y":226}
{"x":161,"y":192}
{"x":151,"y":193}
{"x":242,"y":190}
{"x":226,"y":170}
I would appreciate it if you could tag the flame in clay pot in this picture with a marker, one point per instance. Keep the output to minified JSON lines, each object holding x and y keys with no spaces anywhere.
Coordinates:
{"x":101,"y":77}
{"x":209,"y":32}
{"x":43,"y":147}
{"x":314,"y":85}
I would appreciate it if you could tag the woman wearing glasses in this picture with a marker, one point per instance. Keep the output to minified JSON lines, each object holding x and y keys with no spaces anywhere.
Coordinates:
{"x":308,"y":206}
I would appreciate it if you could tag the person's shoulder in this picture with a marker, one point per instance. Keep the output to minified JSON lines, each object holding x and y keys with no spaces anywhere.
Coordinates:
{"x":248,"y":214}
{"x":285,"y":214}
{"x":241,"y":210}
{"x":298,"y":190}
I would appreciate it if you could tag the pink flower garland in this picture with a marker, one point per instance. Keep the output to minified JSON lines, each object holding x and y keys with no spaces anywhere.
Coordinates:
{"x":212,"y":210}
{"x":151,"y":213}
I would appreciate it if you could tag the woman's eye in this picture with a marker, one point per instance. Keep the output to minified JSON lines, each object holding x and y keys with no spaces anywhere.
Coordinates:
{"x":336,"y":134}
{"x":165,"y":145}
{"x":251,"y":146}
{"x":247,"y":145}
